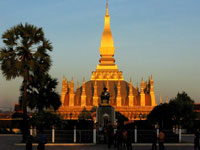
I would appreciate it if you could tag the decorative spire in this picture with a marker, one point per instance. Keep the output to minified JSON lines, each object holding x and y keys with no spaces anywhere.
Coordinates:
{"x":72,"y":86}
{"x":107,"y":44}
{"x":95,"y":96}
{"x":83,"y":94}
{"x":167,"y":100}
{"x":64,"y":84}
{"x":118,"y":88}
{"x":130,"y":88}
{"x":83,"y":87}
{"x":95,"y":88}
{"x":160,"y":99}
{"x":107,"y":14}
{"x":137,"y":87}
{"x":77,"y":87}
{"x":142,"y":86}
{"x":107,"y":85}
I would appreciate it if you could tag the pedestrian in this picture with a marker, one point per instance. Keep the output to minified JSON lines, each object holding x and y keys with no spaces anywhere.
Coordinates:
{"x":29,"y":142}
{"x":119,"y":139}
{"x":110,"y":134}
{"x":196,"y":140}
{"x":129,"y":140}
{"x":161,"y":139}
{"x":42,"y":140}
{"x":154,"y":141}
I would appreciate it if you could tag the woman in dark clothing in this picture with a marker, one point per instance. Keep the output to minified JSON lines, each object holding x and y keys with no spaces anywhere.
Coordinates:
{"x":129,"y":140}
{"x":196,"y":141}
{"x":42,"y":140}
{"x":154,"y":141}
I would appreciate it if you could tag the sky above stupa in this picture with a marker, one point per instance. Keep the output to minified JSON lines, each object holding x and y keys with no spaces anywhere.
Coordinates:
{"x":150,"y":36}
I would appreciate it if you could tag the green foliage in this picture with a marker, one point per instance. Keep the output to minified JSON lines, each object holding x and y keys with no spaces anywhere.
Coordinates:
{"x":25,"y":55}
{"x":25,"y":52}
{"x":41,"y":94}
{"x":44,"y":119}
{"x":180,"y":110}
{"x":85,"y":115}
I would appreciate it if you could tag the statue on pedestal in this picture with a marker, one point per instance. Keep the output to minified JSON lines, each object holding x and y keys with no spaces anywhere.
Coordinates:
{"x":105,"y":96}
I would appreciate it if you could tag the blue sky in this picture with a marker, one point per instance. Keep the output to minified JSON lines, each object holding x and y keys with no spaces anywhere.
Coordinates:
{"x":155,"y":37}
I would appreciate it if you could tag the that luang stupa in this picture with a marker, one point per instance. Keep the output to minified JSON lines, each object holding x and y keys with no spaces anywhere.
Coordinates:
{"x":131,"y":102}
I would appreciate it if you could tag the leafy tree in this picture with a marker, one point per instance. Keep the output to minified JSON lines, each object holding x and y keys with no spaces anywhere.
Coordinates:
{"x":184,"y":109}
{"x":180,"y":110}
{"x":162,"y":114}
{"x":85,"y":115}
{"x":44,"y":119}
{"x":41,"y":94}
{"x":25,"y":55}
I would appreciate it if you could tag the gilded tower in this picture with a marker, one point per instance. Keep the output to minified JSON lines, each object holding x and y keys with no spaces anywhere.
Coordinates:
{"x":107,"y":69}
{"x":124,"y":97}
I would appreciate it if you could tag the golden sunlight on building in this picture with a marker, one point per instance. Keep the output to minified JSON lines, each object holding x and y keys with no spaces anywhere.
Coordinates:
{"x":124,"y":97}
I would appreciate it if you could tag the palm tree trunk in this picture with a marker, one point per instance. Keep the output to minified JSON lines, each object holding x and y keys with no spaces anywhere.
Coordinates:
{"x":24,"y":107}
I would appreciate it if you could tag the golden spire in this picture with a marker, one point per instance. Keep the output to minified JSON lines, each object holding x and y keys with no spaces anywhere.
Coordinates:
{"x":107,"y":44}
{"x":142,"y":86}
{"x":64,"y":84}
{"x":130,"y":88}
{"x":83,"y":87}
{"x":167,"y":101}
{"x":72,"y":86}
{"x":77,"y":87}
{"x":95,"y":88}
{"x":107,"y":8}
{"x":160,"y":99}
{"x":137,"y":87}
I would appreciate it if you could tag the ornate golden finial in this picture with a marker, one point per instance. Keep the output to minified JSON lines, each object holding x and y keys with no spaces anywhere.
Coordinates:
{"x":142,"y":83}
{"x":167,"y":100}
{"x":160,"y":99}
{"x":83,"y":87}
{"x":130,"y":80}
{"x":151,"y":77}
{"x":107,"y":8}
{"x":77,"y":87}
{"x":72,"y":86}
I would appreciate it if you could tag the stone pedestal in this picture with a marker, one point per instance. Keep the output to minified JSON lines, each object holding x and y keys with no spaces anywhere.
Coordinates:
{"x":105,"y":114}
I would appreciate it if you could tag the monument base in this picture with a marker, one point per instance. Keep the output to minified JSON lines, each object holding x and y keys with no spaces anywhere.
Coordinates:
{"x":105,"y":114}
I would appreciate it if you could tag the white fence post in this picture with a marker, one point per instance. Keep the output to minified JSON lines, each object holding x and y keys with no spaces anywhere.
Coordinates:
{"x":74,"y":134}
{"x":94,"y":136}
{"x":34,"y":132}
{"x":157,"y":131}
{"x":135,"y":134}
{"x":31,"y":131}
{"x":53,"y":135}
{"x":179,"y":134}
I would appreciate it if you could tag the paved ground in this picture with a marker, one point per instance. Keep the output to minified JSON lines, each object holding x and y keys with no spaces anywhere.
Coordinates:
{"x":7,"y":142}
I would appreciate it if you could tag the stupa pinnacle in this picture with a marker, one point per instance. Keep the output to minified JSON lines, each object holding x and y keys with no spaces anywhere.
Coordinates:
{"x":107,"y":69}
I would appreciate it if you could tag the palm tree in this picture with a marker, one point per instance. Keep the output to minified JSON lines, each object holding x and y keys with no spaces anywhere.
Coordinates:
{"x":42,"y":95}
{"x":25,"y":55}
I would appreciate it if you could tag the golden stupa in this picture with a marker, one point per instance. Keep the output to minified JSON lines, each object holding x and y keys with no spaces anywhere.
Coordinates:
{"x":129,"y":101}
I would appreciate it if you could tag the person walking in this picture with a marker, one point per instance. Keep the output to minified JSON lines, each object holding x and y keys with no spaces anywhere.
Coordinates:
{"x":110,"y":134}
{"x":129,"y":140}
{"x":196,"y":140}
{"x":161,"y":139}
{"x":154,"y":141}
{"x":42,"y":140}
{"x":29,"y":145}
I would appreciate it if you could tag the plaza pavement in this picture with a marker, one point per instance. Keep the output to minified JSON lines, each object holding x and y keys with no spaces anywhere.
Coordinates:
{"x":11,"y":142}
